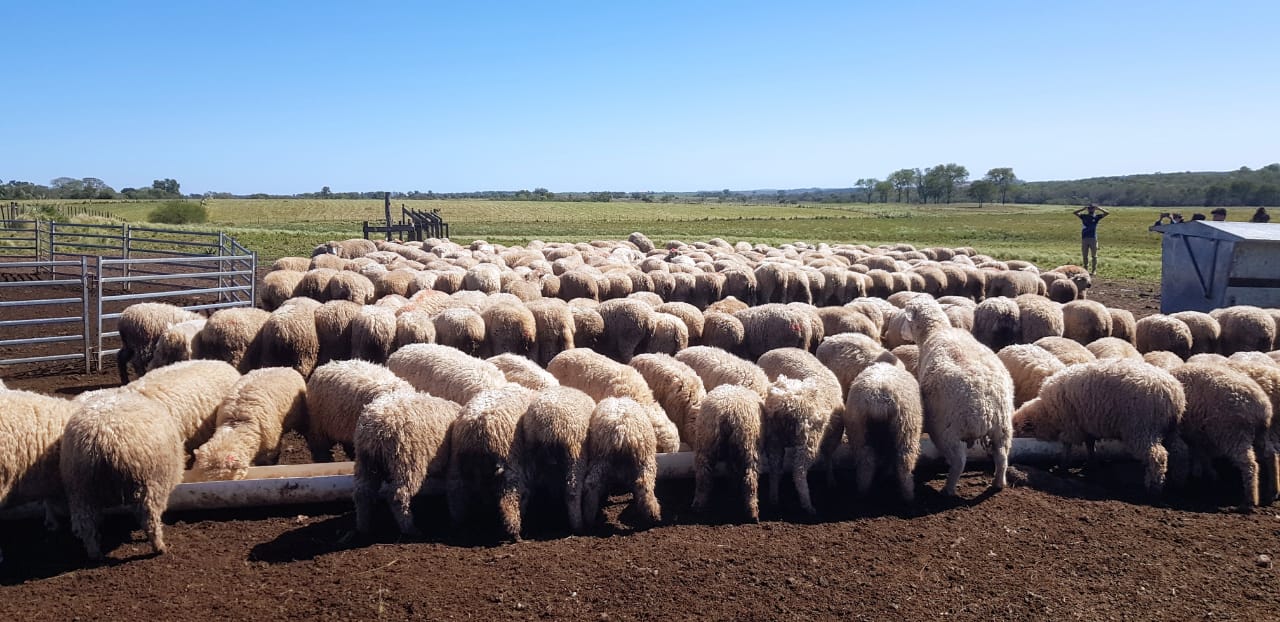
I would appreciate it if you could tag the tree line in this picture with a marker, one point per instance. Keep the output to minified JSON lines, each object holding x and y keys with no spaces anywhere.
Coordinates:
{"x":86,"y":188}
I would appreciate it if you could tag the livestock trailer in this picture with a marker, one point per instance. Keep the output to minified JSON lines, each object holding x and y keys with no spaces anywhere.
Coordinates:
{"x":1206,"y":265}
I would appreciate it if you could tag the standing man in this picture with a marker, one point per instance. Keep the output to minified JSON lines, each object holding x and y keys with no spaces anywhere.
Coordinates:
{"x":1089,"y":233}
{"x":1219,"y":214}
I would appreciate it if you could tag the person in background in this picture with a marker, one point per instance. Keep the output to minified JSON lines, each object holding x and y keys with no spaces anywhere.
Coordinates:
{"x":1219,"y":214}
{"x":1197,"y":216}
{"x":1089,"y":233}
{"x":1261,"y":215}
{"x":1174,"y":218}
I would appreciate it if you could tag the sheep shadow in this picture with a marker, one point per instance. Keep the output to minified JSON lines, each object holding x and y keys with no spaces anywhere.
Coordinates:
{"x":32,"y":553}
{"x":1123,"y":481}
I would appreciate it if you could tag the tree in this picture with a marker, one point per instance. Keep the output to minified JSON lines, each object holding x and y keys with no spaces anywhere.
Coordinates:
{"x":953,"y":176}
{"x":867,"y":185}
{"x":883,"y":188}
{"x":326,"y":193}
{"x":1002,"y":178}
{"x":901,"y":180}
{"x":982,"y":190}
{"x":167,"y":187}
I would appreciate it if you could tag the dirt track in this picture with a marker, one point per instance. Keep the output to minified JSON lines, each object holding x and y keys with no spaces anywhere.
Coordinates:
{"x":1057,"y":545}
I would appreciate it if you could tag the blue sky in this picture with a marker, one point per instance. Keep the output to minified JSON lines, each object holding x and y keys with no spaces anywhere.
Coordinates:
{"x":287,"y":97}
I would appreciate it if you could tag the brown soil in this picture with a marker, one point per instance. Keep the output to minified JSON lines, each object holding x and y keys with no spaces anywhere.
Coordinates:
{"x":1057,"y":545}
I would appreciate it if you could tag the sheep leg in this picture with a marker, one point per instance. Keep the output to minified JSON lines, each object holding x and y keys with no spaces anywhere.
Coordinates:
{"x":955,"y":453}
{"x":367,"y":484}
{"x":775,"y":460}
{"x":864,"y":458}
{"x":321,"y":449}
{"x":509,"y":508}
{"x":908,"y":454}
{"x":456,"y":490}
{"x":750,"y":486}
{"x":401,"y":502}
{"x":593,"y":490}
{"x":85,"y":523}
{"x":1248,"y":465}
{"x":831,"y":436}
{"x":1267,"y":484}
{"x":1000,"y":455}
{"x":573,"y":494}
{"x":800,"y":466}
{"x":122,"y":363}
{"x":703,"y":474}
{"x":51,"y":520}
{"x":1179,"y":459}
{"x":149,"y":513}
{"x":642,"y":491}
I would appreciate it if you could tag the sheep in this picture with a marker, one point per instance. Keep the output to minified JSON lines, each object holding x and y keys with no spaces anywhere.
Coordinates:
{"x":460,"y":328}
{"x":1062,"y":290}
{"x":966,"y":391}
{"x":675,"y":386}
{"x":484,"y":457}
{"x":1208,"y":358}
{"x":1267,"y":376}
{"x":336,"y":393}
{"x":772,"y":326}
{"x":849,"y":354}
{"x":346,"y":249}
{"x":1163,"y":359}
{"x":233,"y":335}
{"x":728,"y":429}
{"x":1205,"y":331}
{"x":689,"y":314}
{"x":1163,"y":332}
{"x":716,"y":367}
{"x":961,"y":316}
{"x":578,"y":284}
{"x":1013,"y":283}
{"x":485,"y":277}
{"x":883,"y":418}
{"x":250,"y":421}
{"x":509,"y":327}
{"x":553,"y":328}
{"x":723,"y":331}
{"x":908,"y":355}
{"x":649,"y":298}
{"x":176,"y":343}
{"x":129,"y":445}
{"x":1029,"y":366}
{"x":292,"y":264}
{"x":140,"y":327}
{"x":279,"y":286}
{"x":552,"y":436}
{"x":740,"y":284}
{"x":621,"y":447}
{"x":394,"y":282}
{"x":836,"y":320}
{"x":1244,"y":328}
{"x":401,"y":439}
{"x":1085,"y":321}
{"x":289,"y":337}
{"x":444,"y":371}
{"x":347,"y":285}
{"x":996,"y":322}
{"x":1227,"y":416}
{"x":314,"y":284}
{"x":601,"y":378}
{"x":641,"y":241}
{"x":797,"y":416}
{"x":627,"y":323}
{"x":31,"y":428}
{"x":588,"y":326}
{"x":524,"y":372}
{"x":414,"y":326}
{"x":1038,"y":317}
{"x":373,"y":333}
{"x":333,"y":330}
{"x":670,"y":335}
{"x":1066,"y":350}
{"x":1113,"y":348}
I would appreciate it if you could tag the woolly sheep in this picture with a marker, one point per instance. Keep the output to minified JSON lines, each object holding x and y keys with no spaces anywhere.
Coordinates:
{"x":401,"y":439}
{"x":176,"y":343}
{"x":314,"y":284}
{"x":1163,"y":332}
{"x":883,"y":418}
{"x":250,"y":421}
{"x":847,"y":355}
{"x":445,"y":372}
{"x":336,"y":393}
{"x":1208,"y":358}
{"x":232,"y":335}
{"x":130,"y":445}
{"x":621,"y":447}
{"x":1029,"y":366}
{"x":524,"y":372}
{"x":1267,"y":377}
{"x":289,"y":337}
{"x":333,"y":330}
{"x":1121,"y":399}
{"x":460,"y":328}
{"x":484,"y":277}
{"x":675,"y":386}
{"x":1062,"y":290}
{"x":996,"y":322}
{"x":1038,"y":317}
{"x":1205,"y":331}
{"x":1085,"y":321}
{"x":689,"y":314}
{"x":723,"y":331}
{"x":966,"y":391}
{"x":1227,"y":416}
{"x":347,"y":285}
{"x":728,"y":430}
{"x":31,"y":428}
{"x":1066,"y":350}
{"x":601,"y":378}
{"x":484,"y":457}
{"x":670,"y":335}
{"x":588,"y":326}
{"x":1113,"y":348}
{"x":373,"y":333}
{"x":797,"y":416}
{"x":414,"y":326}
{"x":396,"y":282}
{"x":716,"y":367}
{"x":1244,"y":328}
{"x":960,"y":316}
{"x":836,"y":320}
{"x":509,"y":327}
{"x":140,"y":327}
{"x":1013,"y":283}
{"x":279,"y":286}
{"x":552,"y":435}
{"x":772,"y":326}
{"x":627,"y":323}
{"x":293,"y":264}
{"x":553,"y":327}
{"x":1163,"y":359}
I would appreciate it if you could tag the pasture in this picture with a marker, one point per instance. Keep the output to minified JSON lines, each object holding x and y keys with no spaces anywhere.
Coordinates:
{"x":1044,"y":234}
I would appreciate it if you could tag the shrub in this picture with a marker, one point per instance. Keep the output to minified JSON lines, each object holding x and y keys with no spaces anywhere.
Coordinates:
{"x":179,"y":213}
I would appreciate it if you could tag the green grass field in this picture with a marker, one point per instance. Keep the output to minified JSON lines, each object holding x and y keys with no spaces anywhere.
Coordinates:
{"x":1047,"y":235}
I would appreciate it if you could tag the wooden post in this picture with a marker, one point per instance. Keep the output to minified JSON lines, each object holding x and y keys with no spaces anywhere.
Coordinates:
{"x":386,"y":206}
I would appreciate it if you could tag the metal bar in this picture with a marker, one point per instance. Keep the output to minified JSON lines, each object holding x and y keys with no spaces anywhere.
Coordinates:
{"x":39,"y":321}
{"x":198,"y":259}
{"x":167,"y":277}
{"x":44,"y":283}
{"x":37,"y":303}
{"x":35,"y":340}
{"x":188,"y":292}
{"x":38,"y":263}
{"x":175,"y":242}
{"x":41,"y":359}
{"x":87,"y":344}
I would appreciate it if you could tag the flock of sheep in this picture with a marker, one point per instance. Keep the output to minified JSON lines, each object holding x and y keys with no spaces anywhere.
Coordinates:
{"x":564,"y":369}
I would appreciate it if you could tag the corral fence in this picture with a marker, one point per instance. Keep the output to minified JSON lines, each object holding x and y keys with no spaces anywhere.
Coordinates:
{"x":86,"y":274}
{"x":415,"y":225}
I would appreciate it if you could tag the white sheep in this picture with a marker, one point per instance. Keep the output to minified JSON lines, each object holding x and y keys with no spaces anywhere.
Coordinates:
{"x":484,"y":459}
{"x":31,"y":427}
{"x":728,"y":430}
{"x":601,"y":377}
{"x":1227,"y":416}
{"x":883,"y":418}
{"x":250,"y":422}
{"x":444,"y":371}
{"x":675,"y":386}
{"x":552,"y":435}
{"x":336,"y":393}
{"x":622,"y":448}
{"x":716,"y":367}
{"x":523,"y":372}
{"x":140,"y":326}
{"x":176,"y":343}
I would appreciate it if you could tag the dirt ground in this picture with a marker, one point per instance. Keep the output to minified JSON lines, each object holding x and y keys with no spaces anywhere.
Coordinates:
{"x":1056,"y":545}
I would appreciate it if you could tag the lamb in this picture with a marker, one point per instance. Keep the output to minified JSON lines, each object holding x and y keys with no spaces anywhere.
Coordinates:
{"x":1029,"y":366}
{"x":460,"y":328}
{"x":289,"y":337}
{"x":627,"y":324}
{"x":849,"y":354}
{"x":401,"y":439}
{"x":31,"y":428}
{"x":675,"y":386}
{"x":484,"y":457}
{"x":601,"y":378}
{"x":509,"y":327}
{"x":1113,"y":348}
{"x":1244,"y":328}
{"x":233,"y":335}
{"x":129,"y":445}
{"x":1066,"y":350}
{"x":523,"y":372}
{"x":279,"y":286}
{"x":1163,"y":332}
{"x":333,"y":330}
{"x":883,"y":418}
{"x":336,"y":393}
{"x":552,"y":435}
{"x":140,"y":327}
{"x":250,"y":421}
{"x":1227,"y":416}
{"x":1085,"y":321}
{"x":445,"y":372}
{"x":716,"y":367}
{"x":373,"y":333}
{"x":176,"y":343}
{"x":728,"y":429}
{"x":621,"y":447}
{"x":966,"y":391}
{"x":996,"y":322}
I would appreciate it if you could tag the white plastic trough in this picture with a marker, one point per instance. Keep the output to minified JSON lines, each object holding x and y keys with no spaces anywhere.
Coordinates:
{"x":330,"y":482}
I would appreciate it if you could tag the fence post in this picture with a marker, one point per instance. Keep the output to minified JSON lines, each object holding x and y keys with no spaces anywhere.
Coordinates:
{"x":97,"y":297}
{"x":53,"y":225}
{"x":84,"y":314}
{"x":125,"y":252}
{"x":222,"y":266}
